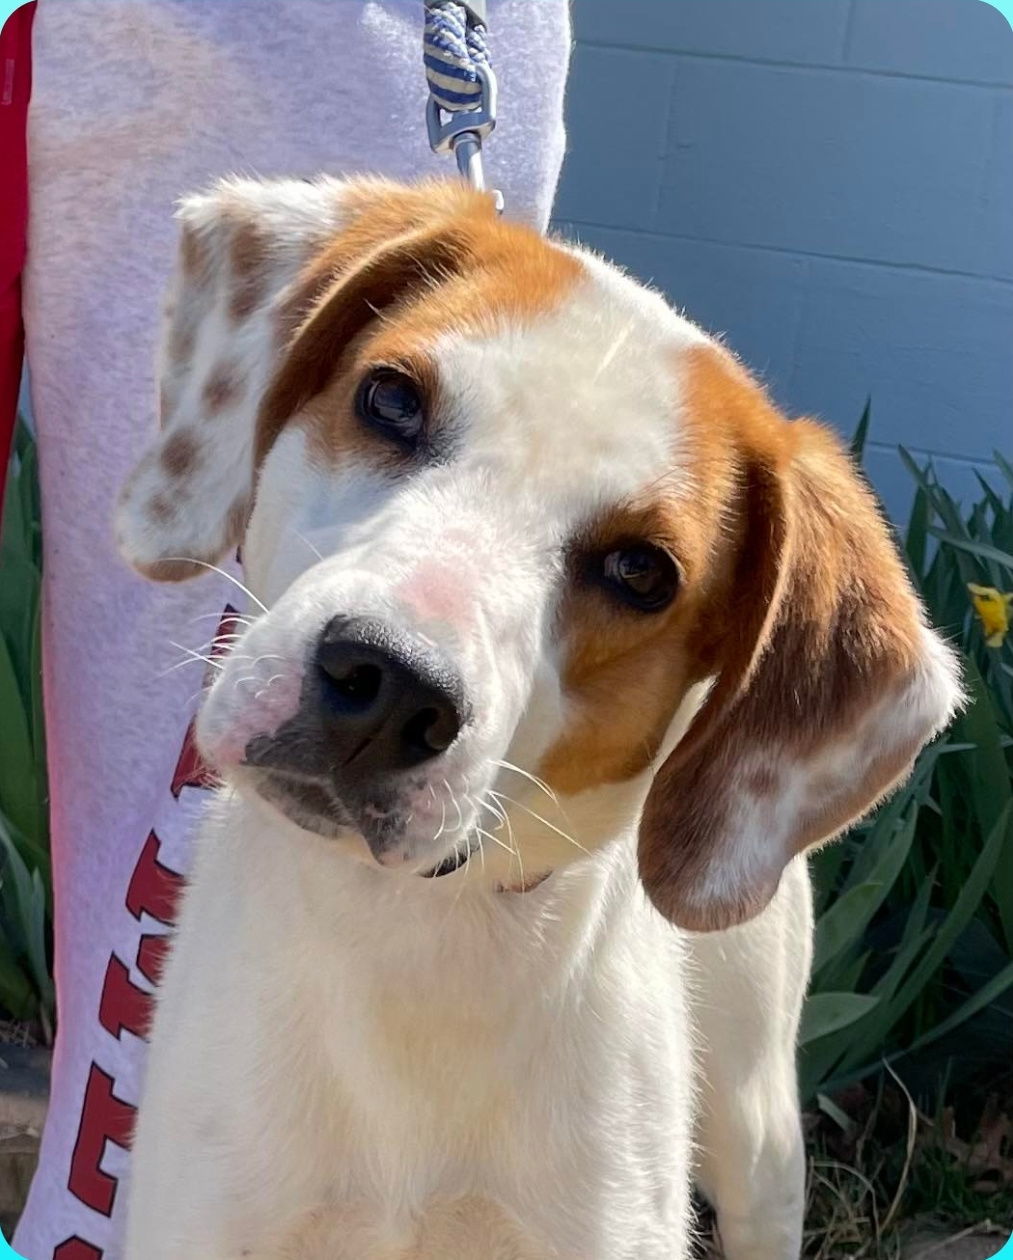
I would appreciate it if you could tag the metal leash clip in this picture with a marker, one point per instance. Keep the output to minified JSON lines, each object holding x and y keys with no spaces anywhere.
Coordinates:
{"x":462,"y":131}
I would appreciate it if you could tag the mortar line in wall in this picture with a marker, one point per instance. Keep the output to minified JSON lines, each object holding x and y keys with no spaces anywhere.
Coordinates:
{"x":805,"y":66}
{"x":799,"y":321}
{"x":849,"y":31}
{"x":794,"y":253}
{"x":973,"y":461}
{"x":666,"y":148}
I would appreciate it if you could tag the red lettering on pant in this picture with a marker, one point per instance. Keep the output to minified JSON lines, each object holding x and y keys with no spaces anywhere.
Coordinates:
{"x":221,"y":644}
{"x":153,"y":887}
{"x":76,"y":1249}
{"x":191,"y":770}
{"x":104,"y":1118}
{"x":151,"y":955}
{"x":123,"y":1004}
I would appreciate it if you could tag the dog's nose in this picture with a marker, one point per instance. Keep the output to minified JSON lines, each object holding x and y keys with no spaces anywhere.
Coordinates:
{"x":390,"y":700}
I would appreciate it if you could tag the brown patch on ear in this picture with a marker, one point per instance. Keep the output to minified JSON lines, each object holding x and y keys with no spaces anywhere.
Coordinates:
{"x":248,"y":260}
{"x":170,"y":570}
{"x":166,"y":404}
{"x":822,"y":634}
{"x":162,"y":509}
{"x":236,"y":520}
{"x":222,"y":387}
{"x":196,"y":255}
{"x":179,"y":454}
{"x":182,"y":339}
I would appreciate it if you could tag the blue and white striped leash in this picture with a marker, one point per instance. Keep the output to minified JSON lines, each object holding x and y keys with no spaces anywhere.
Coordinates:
{"x":461,"y":110}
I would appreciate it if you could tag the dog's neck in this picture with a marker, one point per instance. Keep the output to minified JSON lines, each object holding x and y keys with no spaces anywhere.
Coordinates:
{"x":403,"y":924}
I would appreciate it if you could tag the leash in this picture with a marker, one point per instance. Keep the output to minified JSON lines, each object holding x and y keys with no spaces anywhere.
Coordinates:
{"x":461,"y":110}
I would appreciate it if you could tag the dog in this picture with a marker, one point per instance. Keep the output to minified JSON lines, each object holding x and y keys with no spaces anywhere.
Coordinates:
{"x":563,"y":647}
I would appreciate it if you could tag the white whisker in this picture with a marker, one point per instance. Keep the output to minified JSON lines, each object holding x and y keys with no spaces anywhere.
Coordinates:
{"x":304,"y":539}
{"x":192,"y":656}
{"x":443,"y":822}
{"x":539,"y":783}
{"x":215,"y":569}
{"x":453,"y":800}
{"x":506,"y":819}
{"x":266,"y":686}
{"x":544,"y":821}
{"x":224,"y":616}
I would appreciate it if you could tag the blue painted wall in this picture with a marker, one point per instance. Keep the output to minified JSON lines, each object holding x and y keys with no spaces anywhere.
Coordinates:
{"x":827,"y":182}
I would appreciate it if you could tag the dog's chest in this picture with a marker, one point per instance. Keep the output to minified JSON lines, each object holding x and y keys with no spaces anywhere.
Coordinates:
{"x":394,"y":1056}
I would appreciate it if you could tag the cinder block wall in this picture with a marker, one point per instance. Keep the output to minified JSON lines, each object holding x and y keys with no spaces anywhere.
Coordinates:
{"x":827,"y":182}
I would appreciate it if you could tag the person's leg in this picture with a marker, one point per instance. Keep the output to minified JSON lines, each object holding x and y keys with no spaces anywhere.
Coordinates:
{"x":135,"y":104}
{"x":15,"y":88}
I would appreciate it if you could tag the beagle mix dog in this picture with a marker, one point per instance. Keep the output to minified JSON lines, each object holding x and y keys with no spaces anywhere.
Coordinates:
{"x":563,"y":647}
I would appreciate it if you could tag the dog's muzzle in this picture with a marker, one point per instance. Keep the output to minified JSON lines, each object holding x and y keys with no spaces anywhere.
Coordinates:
{"x":379,"y":703}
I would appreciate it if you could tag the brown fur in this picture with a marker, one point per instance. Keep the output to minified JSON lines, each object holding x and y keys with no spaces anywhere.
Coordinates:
{"x":820,"y":625}
{"x":792,"y":595}
{"x":171,"y":570}
{"x":383,"y":296}
{"x":162,"y":509}
{"x":248,"y":257}
{"x":222,"y":387}
{"x":196,"y":255}
{"x":179,"y":454}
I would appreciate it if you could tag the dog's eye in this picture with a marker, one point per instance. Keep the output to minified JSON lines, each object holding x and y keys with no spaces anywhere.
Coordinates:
{"x":644,"y":576}
{"x":391,"y":401}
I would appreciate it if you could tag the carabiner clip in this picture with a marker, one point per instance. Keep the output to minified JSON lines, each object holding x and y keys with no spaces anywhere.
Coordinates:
{"x":463,"y":130}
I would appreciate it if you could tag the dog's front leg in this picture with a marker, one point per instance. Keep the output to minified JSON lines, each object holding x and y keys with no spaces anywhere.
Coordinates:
{"x":749,"y":986}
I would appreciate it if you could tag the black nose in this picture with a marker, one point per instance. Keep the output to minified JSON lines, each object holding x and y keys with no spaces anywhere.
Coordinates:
{"x":390,"y":701}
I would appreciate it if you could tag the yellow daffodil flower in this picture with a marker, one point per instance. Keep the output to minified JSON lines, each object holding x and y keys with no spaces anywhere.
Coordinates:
{"x":994,"y":610}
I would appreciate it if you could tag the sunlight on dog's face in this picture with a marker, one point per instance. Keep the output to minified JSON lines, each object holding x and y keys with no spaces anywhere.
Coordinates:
{"x":430,"y":534}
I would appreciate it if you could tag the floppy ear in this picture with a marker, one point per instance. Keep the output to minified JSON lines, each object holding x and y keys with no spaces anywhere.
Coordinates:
{"x":260,"y":263}
{"x":241,"y":245}
{"x":828,"y":684}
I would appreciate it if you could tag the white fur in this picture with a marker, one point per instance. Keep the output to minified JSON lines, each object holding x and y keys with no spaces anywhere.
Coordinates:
{"x":361,"y":1064}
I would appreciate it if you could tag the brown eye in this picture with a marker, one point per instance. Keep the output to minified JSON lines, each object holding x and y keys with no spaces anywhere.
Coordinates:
{"x":391,"y":402}
{"x":643,"y":576}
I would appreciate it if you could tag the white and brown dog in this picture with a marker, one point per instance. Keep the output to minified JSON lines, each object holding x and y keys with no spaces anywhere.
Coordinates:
{"x":567,"y":645}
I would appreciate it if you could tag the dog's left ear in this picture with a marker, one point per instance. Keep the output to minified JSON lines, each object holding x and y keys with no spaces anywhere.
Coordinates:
{"x":828,"y":682}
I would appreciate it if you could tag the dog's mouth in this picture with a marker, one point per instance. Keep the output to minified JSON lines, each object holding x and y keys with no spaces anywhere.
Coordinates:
{"x":314,"y":806}
{"x":454,"y":861}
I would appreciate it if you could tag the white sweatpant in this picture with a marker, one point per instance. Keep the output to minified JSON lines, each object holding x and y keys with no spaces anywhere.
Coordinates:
{"x":136,"y":102}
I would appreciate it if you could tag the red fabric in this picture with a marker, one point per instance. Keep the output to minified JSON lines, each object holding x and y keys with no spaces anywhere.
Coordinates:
{"x":15,"y":89}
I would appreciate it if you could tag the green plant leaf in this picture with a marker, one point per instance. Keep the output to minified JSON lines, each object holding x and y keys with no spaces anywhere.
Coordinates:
{"x":16,"y":992}
{"x":25,"y":912}
{"x":984,"y":551}
{"x":861,"y":433}
{"x":846,"y":920}
{"x":965,"y":906}
{"x":917,"y":535}
{"x":1004,"y":466}
{"x":826,"y":1013}
{"x":19,"y":797}
{"x":986,"y":995}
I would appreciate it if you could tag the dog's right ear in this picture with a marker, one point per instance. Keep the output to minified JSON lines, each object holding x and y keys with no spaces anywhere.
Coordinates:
{"x":257,"y":264}
{"x":241,"y":245}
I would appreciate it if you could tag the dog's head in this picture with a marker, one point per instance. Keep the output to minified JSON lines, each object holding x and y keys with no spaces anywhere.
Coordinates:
{"x":510,"y":518}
